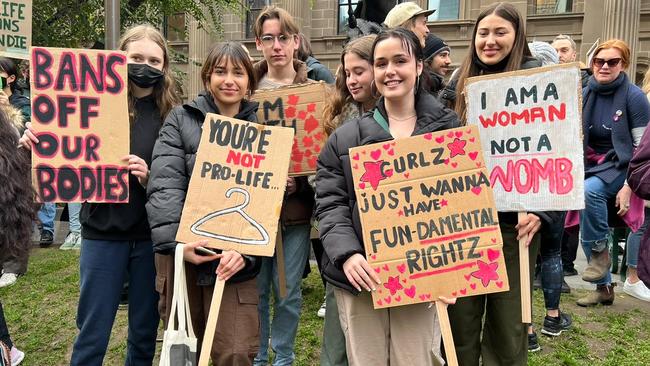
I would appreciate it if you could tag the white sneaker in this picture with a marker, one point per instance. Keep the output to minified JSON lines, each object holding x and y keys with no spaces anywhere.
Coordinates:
{"x":70,"y":240}
{"x":17,"y":356}
{"x":8,"y":279}
{"x":323,"y":308}
{"x":638,"y":290}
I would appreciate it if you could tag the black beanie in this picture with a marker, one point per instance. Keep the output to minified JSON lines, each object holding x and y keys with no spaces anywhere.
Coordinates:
{"x":433,"y":46}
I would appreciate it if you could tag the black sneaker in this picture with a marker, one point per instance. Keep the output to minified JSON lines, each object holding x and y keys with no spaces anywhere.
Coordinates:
{"x":533,"y":345}
{"x":565,"y":287}
{"x":568,"y":272}
{"x":555,"y":326}
{"x":47,"y":238}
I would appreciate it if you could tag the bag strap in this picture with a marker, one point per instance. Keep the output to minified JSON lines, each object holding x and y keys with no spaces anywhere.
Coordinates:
{"x":381,"y":120}
{"x":186,"y":300}
{"x":178,"y":256}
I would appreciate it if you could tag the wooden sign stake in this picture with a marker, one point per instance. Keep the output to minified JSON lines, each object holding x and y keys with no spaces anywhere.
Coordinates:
{"x":211,"y":326}
{"x":447,"y":337}
{"x":279,"y":257}
{"x":524,"y":277}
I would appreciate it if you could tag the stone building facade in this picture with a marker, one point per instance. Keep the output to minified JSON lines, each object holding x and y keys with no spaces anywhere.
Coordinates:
{"x":324,"y":21}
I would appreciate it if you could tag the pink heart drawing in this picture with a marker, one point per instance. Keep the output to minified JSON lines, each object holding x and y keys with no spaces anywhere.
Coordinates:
{"x":356,"y":156}
{"x":469,"y":131}
{"x":493,"y":254}
{"x":379,"y":303}
{"x":387,"y":299}
{"x":447,"y":161}
{"x":410,"y":292}
{"x":385,"y":267}
{"x":450,"y":134}
{"x":467,"y":276}
{"x":472,"y":139}
{"x":494,"y":240}
{"x":380,"y":291}
{"x":401,"y":268}
{"x":473,"y":286}
{"x":428,"y":136}
{"x":476,"y":190}
{"x":428,"y":296}
{"x":398,"y":298}
{"x":356,"y":166}
{"x":362,"y":185}
{"x":454,"y":164}
{"x":386,"y":146}
{"x":463,"y":291}
{"x":422,"y":297}
{"x":375,"y":154}
{"x":391,"y":152}
{"x":406,"y":175}
{"x":478,"y":165}
{"x":440,"y":139}
{"x":378,"y":269}
{"x":389,"y":173}
{"x":459,"y":133}
{"x":499,"y":284}
{"x":404,"y":280}
{"x":473,"y":155}
{"x":454,"y":294}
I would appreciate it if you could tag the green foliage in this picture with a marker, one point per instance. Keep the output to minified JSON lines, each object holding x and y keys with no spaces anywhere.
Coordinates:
{"x":80,"y":23}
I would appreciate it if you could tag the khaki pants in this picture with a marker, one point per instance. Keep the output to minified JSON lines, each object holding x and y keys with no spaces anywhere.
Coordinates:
{"x":236,"y":340}
{"x":401,"y":336}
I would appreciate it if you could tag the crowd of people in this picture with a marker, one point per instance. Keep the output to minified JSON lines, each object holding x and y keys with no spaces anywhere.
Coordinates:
{"x":391,"y":85}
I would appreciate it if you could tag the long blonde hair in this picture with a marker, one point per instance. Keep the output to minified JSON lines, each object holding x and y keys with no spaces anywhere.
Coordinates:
{"x":165,"y":96}
{"x":646,"y":82}
{"x":341,"y":96}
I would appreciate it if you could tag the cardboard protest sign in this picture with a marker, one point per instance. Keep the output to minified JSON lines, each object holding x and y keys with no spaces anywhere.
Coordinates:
{"x":235,"y":195}
{"x":16,"y":28}
{"x":80,"y":110}
{"x":301,"y":108}
{"x":430,"y":227}
{"x":531,"y":132}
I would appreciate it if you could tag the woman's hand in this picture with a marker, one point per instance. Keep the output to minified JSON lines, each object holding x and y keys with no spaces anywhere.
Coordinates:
{"x":360,"y":274}
{"x":527,"y":227}
{"x":623,"y":200}
{"x":28,"y":138}
{"x":231,"y":263}
{"x":447,"y":300}
{"x":138,"y":167}
{"x":190,"y":255}
{"x":4,"y":99}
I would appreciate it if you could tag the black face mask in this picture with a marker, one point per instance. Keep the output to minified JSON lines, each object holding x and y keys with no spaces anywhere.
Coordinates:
{"x":144,"y":75}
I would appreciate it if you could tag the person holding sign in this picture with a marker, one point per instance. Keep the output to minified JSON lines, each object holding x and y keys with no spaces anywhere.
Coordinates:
{"x":404,"y":335}
{"x":498,"y":45}
{"x":116,"y":237}
{"x":227,"y":75}
{"x":615,"y":113}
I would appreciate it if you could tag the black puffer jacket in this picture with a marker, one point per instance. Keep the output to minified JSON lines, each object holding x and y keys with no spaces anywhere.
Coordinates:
{"x":336,"y":205}
{"x":173,"y":161}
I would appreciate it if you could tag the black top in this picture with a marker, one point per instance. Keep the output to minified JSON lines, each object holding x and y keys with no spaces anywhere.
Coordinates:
{"x":127,"y":221}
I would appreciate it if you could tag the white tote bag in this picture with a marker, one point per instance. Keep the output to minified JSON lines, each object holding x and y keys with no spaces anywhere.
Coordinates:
{"x":179,"y":343}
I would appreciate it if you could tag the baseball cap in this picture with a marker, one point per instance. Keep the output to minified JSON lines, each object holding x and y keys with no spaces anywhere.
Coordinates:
{"x":403,"y":12}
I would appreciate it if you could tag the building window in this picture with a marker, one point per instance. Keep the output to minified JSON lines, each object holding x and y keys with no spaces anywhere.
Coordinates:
{"x":343,"y":14}
{"x":254,"y":9}
{"x":445,"y":9}
{"x":553,"y":6}
{"x":175,"y":28}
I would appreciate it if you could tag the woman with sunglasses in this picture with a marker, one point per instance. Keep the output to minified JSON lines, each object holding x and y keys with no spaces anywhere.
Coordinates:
{"x":614,"y":115}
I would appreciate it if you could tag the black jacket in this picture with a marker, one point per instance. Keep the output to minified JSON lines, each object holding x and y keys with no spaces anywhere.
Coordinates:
{"x":336,"y":206}
{"x":173,"y":161}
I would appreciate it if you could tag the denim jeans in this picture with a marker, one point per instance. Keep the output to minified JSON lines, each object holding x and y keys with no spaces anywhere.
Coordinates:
{"x":46,"y":216}
{"x":4,"y":331}
{"x":282,"y":330}
{"x":104,"y":265}
{"x":551,"y":269}
{"x":634,"y":242}
{"x":594,"y":226}
{"x":73,"y":217}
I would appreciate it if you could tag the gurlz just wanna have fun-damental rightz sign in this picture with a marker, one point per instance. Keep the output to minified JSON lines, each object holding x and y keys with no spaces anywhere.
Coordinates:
{"x":430,"y":225}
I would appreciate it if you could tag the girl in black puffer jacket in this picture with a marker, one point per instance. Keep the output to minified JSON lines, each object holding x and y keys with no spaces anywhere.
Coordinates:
{"x":228,"y":77}
{"x":399,"y":335}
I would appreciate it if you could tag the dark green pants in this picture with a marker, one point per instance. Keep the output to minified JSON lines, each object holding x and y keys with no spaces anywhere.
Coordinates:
{"x":332,"y":352}
{"x":504,"y":340}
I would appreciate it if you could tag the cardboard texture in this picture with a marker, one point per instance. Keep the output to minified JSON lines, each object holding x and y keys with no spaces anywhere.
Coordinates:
{"x":430,"y":227}
{"x":530,"y":123}
{"x":301,"y":108}
{"x":235,"y":194}
{"x":16,"y":28}
{"x":80,"y":110}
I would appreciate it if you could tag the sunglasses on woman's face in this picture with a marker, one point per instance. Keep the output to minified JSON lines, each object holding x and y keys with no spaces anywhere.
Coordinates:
{"x":600,"y":62}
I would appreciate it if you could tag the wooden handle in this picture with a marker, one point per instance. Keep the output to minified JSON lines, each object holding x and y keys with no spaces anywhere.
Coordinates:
{"x":211,"y":326}
{"x":447,"y":337}
{"x":279,"y":257}
{"x":524,"y":277}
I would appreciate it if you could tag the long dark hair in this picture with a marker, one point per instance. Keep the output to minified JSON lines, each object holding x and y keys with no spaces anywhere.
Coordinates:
{"x":8,"y":66}
{"x":410,"y":43}
{"x":224,"y":52}
{"x":17,"y":196}
{"x":518,"y":54}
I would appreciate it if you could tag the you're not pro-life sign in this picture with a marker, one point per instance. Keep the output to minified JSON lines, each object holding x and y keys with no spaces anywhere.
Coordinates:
{"x":531,"y":135}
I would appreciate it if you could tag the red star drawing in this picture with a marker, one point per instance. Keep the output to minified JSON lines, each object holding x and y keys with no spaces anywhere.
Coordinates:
{"x":393,"y":284}
{"x":373,"y":173}
{"x":457,"y":147}
{"x":443,"y":203}
{"x":486,"y":272}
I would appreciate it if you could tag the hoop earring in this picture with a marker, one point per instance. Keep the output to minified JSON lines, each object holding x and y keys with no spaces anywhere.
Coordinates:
{"x":374,"y":92}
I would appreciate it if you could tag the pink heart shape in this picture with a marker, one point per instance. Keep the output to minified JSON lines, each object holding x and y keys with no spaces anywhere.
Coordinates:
{"x":473,"y":155}
{"x":428,"y":136}
{"x":422,"y":297}
{"x":410,"y":292}
{"x":477,"y":190}
{"x":378,"y":269}
{"x":499,"y":284}
{"x":401,"y":268}
{"x":472,"y":139}
{"x":447,"y":161}
{"x":386,"y":146}
{"x":493,"y":254}
{"x":387,"y":299}
{"x":362,"y":185}
{"x":440,"y":139}
{"x":463,"y":291}
{"x":469,"y":131}
{"x":398,"y":298}
{"x":391,"y":152}
{"x":458,"y":133}
{"x":478,"y":165}
{"x":494,"y":240}
{"x":450,"y":134}
{"x":406,"y":175}
{"x":454,"y":164}
{"x":385,"y":267}
{"x":389,"y":173}
{"x":356,"y":156}
{"x":454,"y":294}
{"x":467,"y":276}
{"x":473,"y":286}
{"x":379,"y":302}
{"x":375,"y":154}
{"x":356,"y":166}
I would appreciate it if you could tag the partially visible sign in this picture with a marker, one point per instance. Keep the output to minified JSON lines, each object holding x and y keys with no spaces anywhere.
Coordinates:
{"x":531,"y":131}
{"x":430,"y":227}
{"x":15,"y":28}
{"x":301,"y":108}
{"x":80,"y":110}
{"x":235,"y":194}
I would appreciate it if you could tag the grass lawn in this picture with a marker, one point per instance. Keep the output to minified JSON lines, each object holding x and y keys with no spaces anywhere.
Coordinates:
{"x":40,"y":310}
